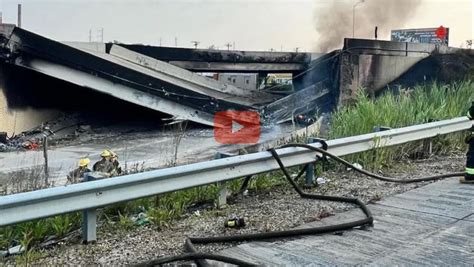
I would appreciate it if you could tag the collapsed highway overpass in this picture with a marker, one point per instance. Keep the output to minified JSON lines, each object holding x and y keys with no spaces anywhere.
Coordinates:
{"x":162,"y":79}
{"x":140,"y":79}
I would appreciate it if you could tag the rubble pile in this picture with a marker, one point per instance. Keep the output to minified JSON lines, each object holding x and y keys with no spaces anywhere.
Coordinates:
{"x":66,"y":127}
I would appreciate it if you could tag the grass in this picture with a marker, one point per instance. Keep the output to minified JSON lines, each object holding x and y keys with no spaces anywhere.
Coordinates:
{"x":25,"y":180}
{"x":422,"y":104}
{"x":30,"y":235}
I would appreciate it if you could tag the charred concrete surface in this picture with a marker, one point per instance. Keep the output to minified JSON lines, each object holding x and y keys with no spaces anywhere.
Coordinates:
{"x":378,"y":65}
{"x":29,"y":92}
{"x":443,"y":68}
{"x":17,"y":120}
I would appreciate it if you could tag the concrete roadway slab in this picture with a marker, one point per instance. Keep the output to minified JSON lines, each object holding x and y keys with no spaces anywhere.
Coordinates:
{"x":431,"y":225}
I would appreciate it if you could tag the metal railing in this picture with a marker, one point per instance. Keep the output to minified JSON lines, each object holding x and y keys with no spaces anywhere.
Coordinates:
{"x":88,"y":196}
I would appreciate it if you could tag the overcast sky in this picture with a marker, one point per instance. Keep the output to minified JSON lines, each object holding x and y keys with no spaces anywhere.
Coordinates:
{"x":251,"y":24}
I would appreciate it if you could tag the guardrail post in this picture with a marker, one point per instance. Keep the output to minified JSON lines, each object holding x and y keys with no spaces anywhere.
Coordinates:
{"x":377,"y":129}
{"x":223,"y":190}
{"x":430,"y":149}
{"x":89,"y":219}
{"x":309,"y":169}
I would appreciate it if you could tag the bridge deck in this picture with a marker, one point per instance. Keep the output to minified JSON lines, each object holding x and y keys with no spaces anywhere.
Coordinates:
{"x":431,"y":225}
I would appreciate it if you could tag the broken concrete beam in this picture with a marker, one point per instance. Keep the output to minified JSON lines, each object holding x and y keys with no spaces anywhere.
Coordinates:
{"x":194,"y":80}
{"x":301,"y":102}
{"x":209,"y":55}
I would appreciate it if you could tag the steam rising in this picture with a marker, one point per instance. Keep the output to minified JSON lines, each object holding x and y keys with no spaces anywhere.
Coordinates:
{"x":334,"y":20}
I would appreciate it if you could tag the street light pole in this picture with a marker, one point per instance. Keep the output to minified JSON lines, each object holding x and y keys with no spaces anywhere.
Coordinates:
{"x":353,"y":16}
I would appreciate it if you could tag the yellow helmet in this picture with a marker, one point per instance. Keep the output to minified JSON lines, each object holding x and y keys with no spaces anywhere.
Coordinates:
{"x":113,"y":154}
{"x":106,"y":153}
{"x":84,"y":162}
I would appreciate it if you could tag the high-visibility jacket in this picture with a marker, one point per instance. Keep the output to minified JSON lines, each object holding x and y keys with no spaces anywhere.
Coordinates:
{"x":470,"y":152}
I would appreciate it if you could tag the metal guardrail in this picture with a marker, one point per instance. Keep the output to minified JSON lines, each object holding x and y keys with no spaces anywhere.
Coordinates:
{"x":27,"y":206}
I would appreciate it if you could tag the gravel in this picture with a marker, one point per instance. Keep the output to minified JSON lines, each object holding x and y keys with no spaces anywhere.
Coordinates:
{"x":277,"y":209}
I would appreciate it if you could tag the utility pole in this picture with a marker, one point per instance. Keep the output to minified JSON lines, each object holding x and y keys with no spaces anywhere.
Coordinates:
{"x":160,"y":41}
{"x":195,"y":43}
{"x":297,"y":49}
{"x":233,"y":45}
{"x":45,"y":155}
{"x":101,"y":34}
{"x":228,"y":46}
{"x":19,"y":16}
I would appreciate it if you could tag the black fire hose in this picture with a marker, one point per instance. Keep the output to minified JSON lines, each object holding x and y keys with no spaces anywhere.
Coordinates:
{"x":199,"y":258}
{"x":373,"y":175}
{"x":194,"y":255}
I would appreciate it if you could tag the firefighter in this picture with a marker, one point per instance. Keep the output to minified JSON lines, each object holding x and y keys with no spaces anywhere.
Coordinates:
{"x":117,"y":170}
{"x":77,"y":175}
{"x":469,"y":175}
{"x":104,"y":165}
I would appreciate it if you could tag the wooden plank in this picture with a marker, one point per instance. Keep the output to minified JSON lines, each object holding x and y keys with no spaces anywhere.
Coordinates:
{"x":431,"y":225}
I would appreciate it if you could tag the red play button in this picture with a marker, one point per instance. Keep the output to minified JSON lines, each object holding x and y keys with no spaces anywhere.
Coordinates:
{"x":237,"y":127}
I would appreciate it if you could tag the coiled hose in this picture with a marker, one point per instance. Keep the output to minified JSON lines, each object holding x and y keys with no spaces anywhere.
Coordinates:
{"x":200,"y":258}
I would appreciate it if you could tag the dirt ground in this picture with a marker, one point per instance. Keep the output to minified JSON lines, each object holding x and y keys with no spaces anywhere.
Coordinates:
{"x":277,"y":209}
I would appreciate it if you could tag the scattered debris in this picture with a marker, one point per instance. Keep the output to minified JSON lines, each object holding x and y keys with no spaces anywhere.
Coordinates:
{"x":59,"y":129}
{"x":141,"y":219}
{"x":235,"y":222}
{"x":12,"y":251}
{"x":322,"y":180}
{"x":303,"y":120}
{"x":356,"y":165}
{"x":4,"y":148}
